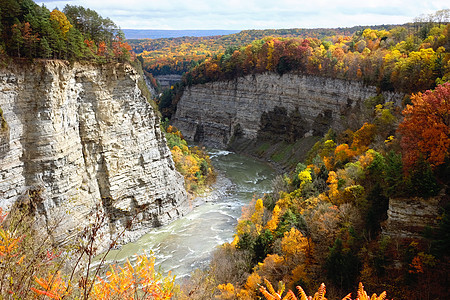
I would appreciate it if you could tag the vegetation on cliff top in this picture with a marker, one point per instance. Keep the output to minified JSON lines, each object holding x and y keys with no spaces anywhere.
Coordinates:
{"x":399,"y":59}
{"x":179,"y":55}
{"x":406,"y":59}
{"x":31,"y":31}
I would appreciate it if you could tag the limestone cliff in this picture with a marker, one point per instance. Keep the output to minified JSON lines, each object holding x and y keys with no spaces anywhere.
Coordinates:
{"x":269,"y":106}
{"x":409,"y":217}
{"x":85,"y":136}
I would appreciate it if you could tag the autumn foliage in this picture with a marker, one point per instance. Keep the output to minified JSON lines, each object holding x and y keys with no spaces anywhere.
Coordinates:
{"x":378,"y":57}
{"x":135,"y":281}
{"x":28,"y":30}
{"x":192,"y":162}
{"x":32,"y":269}
{"x":325,"y":220}
{"x":270,"y":293}
{"x":179,"y":55}
{"x":425,"y":129}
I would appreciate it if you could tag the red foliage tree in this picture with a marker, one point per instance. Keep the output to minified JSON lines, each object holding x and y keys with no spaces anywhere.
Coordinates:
{"x":426,"y":127}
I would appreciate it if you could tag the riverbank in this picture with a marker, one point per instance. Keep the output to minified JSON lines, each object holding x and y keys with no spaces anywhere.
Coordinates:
{"x":188,"y":243}
{"x":282,"y":156}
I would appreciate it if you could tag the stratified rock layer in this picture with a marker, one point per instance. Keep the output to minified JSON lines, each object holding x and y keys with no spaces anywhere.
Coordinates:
{"x":86,"y":137}
{"x":213,"y":113}
{"x":409,"y":217}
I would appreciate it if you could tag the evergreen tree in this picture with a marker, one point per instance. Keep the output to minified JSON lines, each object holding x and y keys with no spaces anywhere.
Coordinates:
{"x":16,"y":39}
{"x":44,"y":49}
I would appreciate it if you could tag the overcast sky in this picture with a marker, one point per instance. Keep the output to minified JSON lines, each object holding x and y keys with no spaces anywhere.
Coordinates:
{"x":254,"y":14}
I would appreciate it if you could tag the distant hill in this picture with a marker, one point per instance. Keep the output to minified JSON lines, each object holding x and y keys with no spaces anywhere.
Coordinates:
{"x":159,"y":34}
{"x":176,"y":55}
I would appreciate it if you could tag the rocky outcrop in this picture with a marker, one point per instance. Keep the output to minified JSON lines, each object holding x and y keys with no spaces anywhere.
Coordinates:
{"x":409,"y":217}
{"x":85,"y":137}
{"x":167,"y":80}
{"x":269,"y":106}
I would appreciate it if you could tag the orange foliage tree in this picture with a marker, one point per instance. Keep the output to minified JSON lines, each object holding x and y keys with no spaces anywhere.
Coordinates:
{"x":135,"y":282}
{"x":363,"y":137}
{"x":270,"y":293}
{"x":425,"y":129}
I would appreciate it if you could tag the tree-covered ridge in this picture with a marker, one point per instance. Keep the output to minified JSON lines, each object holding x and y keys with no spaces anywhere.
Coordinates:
{"x":179,"y":55}
{"x":31,"y":31}
{"x":404,"y":59}
{"x":398,"y":59}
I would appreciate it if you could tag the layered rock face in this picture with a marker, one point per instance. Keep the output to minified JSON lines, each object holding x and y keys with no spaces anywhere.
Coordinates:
{"x":409,"y":217}
{"x":88,"y":141}
{"x":268,"y":104}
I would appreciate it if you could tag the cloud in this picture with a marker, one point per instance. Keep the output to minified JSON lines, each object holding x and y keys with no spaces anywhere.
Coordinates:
{"x":254,"y":14}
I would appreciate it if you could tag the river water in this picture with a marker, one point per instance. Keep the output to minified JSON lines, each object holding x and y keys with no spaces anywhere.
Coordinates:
{"x":187,"y":243}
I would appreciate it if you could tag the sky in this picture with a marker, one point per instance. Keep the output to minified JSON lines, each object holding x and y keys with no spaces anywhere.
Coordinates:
{"x":254,"y":14}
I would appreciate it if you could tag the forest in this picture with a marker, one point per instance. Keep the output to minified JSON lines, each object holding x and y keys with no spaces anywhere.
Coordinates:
{"x":392,"y":60}
{"x":323,"y":221}
{"x":29,"y":31}
{"x":179,"y":55}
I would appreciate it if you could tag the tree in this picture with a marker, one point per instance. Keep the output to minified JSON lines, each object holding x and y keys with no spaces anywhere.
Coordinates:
{"x":60,"y":17}
{"x":30,"y":40}
{"x":44,"y":48}
{"x":91,"y":24}
{"x":16,"y":39}
{"x":425,"y":129}
{"x":121,"y":50}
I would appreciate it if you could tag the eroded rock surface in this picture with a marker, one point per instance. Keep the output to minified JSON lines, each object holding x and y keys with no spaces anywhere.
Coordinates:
{"x":269,"y":105}
{"x":409,"y":217}
{"x":85,"y":136}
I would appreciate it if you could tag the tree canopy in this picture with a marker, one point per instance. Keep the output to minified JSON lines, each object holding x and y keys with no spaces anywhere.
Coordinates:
{"x":31,"y":31}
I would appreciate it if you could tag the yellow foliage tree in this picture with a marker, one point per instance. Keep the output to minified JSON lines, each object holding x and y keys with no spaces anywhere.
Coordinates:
{"x":363,"y":137}
{"x":333,"y":193}
{"x":257,"y":217}
{"x":228,"y":292}
{"x":60,"y":17}
{"x":273,"y":222}
{"x":251,"y":287}
{"x":294,"y":243}
{"x":343,"y":153}
{"x":305,"y":176}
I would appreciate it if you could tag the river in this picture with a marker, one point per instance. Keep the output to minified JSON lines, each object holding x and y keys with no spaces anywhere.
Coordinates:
{"x":187,"y":243}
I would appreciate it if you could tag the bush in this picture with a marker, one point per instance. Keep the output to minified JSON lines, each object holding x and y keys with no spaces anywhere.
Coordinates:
{"x":342,"y":265}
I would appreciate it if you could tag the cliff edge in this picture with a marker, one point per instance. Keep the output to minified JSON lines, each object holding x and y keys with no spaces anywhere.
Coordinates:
{"x":84,"y":138}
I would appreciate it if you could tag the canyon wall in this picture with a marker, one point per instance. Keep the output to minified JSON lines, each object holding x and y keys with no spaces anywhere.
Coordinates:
{"x":84,"y":138}
{"x":269,"y":106}
{"x":290,"y":107}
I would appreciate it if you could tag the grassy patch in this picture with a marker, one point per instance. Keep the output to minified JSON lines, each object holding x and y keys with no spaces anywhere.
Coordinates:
{"x":281,"y":151}
{"x":262,"y":149}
